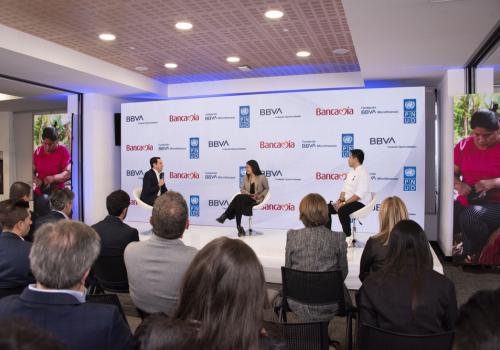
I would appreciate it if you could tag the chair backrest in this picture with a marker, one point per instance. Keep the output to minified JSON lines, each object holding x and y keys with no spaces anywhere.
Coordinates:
{"x":110,"y":299}
{"x":306,"y":336}
{"x":264,"y":201}
{"x":372,"y":338}
{"x":366,"y":210}
{"x":111,"y":273}
{"x":137,"y":196}
{"x":313,"y":288}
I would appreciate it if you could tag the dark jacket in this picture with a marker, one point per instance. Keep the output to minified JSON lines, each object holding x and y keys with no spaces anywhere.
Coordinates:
{"x":373,"y":257}
{"x":14,"y":261}
{"x":53,"y":216}
{"x":387,"y":303}
{"x":150,"y":187}
{"x":80,"y":326}
{"x":115,"y":235}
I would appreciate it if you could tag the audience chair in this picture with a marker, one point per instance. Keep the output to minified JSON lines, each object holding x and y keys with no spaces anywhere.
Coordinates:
{"x":111,"y":299}
{"x":137,"y":196}
{"x":111,"y":274}
{"x":316,"y":288}
{"x":256,"y":207}
{"x":4,"y":292}
{"x":306,"y":336}
{"x":361,"y":214}
{"x":373,"y":338}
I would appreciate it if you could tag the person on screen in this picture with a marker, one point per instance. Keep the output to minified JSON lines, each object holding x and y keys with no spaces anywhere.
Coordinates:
{"x":355,"y":193}
{"x":253,"y":191}
{"x":51,"y":168}
{"x":477,"y":184}
{"x":153,"y":183}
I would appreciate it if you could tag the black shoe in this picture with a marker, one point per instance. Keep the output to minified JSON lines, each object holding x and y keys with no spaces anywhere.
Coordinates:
{"x":222,"y":218}
{"x":241,"y":231}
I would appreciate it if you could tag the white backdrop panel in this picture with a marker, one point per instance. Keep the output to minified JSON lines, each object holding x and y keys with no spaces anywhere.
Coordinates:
{"x":300,"y":140}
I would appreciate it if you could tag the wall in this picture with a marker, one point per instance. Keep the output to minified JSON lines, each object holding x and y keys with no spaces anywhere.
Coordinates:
{"x":101,"y":173}
{"x":7,"y":147}
{"x":431,"y":227}
{"x":23,"y":146}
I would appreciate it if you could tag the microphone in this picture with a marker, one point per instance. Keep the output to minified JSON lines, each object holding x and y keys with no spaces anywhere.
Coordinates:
{"x":162,"y":175}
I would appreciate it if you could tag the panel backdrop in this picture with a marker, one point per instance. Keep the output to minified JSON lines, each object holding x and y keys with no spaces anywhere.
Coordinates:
{"x":301,"y":141}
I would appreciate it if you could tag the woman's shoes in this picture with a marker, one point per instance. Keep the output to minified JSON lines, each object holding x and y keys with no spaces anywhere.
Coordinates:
{"x":222,"y":218}
{"x":241,"y":231}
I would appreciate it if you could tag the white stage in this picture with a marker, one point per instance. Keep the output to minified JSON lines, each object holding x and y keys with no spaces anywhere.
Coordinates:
{"x":270,"y":248}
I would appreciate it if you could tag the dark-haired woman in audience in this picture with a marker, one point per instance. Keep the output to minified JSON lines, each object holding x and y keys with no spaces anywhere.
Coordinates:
{"x":253,"y":191}
{"x":392,"y":211}
{"x":407,"y":295}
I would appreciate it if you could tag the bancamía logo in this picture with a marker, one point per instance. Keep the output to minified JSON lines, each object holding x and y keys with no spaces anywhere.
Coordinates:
{"x":347,"y":145}
{"x":410,"y":111}
{"x":194,"y":205}
{"x":410,"y":178}
{"x":243,"y":172}
{"x":138,"y":148}
{"x":194,"y":148}
{"x":244,"y":117}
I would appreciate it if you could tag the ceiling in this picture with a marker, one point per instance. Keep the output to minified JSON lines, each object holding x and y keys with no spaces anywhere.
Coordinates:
{"x":146,"y":35}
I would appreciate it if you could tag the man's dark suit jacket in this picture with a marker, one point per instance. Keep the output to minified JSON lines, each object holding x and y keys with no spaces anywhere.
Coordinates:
{"x":115,"y":235}
{"x":53,"y":216}
{"x":14,"y":261}
{"x":150,"y":187}
{"x":80,"y":326}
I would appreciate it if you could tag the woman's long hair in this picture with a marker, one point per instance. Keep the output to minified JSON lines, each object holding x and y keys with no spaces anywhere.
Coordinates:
{"x":409,"y":253}
{"x":392,"y":211}
{"x":255,"y":167}
{"x":224,"y":289}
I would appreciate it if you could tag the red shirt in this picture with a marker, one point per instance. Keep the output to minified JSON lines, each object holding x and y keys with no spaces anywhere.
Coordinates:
{"x":47,"y":164}
{"x":476,"y":164}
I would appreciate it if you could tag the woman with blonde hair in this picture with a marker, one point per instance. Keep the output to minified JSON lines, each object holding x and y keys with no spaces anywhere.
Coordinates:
{"x":392,"y":211}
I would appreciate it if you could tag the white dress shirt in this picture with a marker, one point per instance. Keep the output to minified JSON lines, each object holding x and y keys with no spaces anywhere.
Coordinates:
{"x":158,"y":178}
{"x":358,"y":183}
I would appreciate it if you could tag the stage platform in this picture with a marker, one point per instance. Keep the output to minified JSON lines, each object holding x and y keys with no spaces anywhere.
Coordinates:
{"x":270,"y":248}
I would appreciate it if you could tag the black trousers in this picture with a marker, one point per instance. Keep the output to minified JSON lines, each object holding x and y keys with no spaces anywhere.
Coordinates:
{"x":344,"y":213}
{"x":242,"y":204}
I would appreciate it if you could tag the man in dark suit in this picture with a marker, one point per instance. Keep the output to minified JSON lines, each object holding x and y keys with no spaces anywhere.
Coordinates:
{"x":15,"y":273}
{"x":61,"y":203}
{"x":153,"y":183}
{"x":60,"y":259}
{"x":115,"y":236}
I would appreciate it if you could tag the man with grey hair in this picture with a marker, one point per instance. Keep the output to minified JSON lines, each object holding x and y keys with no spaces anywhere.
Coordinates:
{"x":61,"y":203}
{"x":155,"y":267}
{"x":61,"y":258}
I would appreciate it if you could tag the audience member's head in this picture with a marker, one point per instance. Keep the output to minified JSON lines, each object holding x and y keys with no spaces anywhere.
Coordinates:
{"x":20,"y":190}
{"x":170,"y":215}
{"x":62,"y":200}
{"x":15,"y":217}
{"x":117,"y":203}
{"x":313,"y":210}
{"x":478,"y":322}
{"x":20,"y":334}
{"x":224,"y":289}
{"x":392,"y":211}
{"x":159,"y":332}
{"x":62,"y":254}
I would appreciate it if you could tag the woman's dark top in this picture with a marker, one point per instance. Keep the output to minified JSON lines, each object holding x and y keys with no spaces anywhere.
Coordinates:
{"x":252,"y":188}
{"x":373,"y":257}
{"x":387,"y":303}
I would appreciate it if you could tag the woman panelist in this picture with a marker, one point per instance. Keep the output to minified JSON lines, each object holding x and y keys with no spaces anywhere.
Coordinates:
{"x":253,"y":192}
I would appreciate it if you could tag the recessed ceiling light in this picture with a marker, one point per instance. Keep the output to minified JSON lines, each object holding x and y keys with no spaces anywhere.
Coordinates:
{"x":5,"y":97}
{"x":274,"y":14}
{"x":170,"y":65}
{"x":303,"y":54}
{"x":183,"y":25}
{"x":340,"y":51}
{"x":132,"y":48}
{"x":141,"y":68}
{"x":233,"y":59}
{"x":245,"y":68}
{"x":107,"y":37}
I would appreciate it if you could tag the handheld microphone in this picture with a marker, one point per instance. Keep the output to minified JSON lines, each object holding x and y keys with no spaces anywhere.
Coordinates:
{"x":162,"y":175}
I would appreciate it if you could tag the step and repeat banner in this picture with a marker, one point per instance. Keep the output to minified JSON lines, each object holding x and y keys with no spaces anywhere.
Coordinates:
{"x":301,"y":141}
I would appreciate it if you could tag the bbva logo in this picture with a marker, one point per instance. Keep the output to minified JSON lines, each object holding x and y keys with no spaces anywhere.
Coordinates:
{"x":135,"y":173}
{"x":272,"y":173}
{"x":218,"y":203}
{"x":133,"y":118}
{"x":381,"y":140}
{"x":270,"y":111}
{"x":218,"y":143}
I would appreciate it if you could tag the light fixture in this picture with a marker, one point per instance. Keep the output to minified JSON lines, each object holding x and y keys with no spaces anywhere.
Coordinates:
{"x":303,"y":54}
{"x":340,"y":51}
{"x":183,"y":25}
{"x":274,"y":14}
{"x":171,"y":65}
{"x":141,"y":68}
{"x":5,"y":97}
{"x":245,"y":68}
{"x":233,"y":59}
{"x":107,"y":37}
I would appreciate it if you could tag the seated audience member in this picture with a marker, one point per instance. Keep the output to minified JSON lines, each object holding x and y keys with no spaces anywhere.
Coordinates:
{"x":61,"y":203}
{"x":22,"y":191}
{"x":16,"y":334}
{"x":224,"y":290}
{"x":15,"y":273}
{"x":407,"y":295}
{"x":478,"y":323}
{"x":315,"y":248}
{"x":392,"y":211}
{"x":114,"y":233}
{"x":155,"y":267}
{"x":60,"y":259}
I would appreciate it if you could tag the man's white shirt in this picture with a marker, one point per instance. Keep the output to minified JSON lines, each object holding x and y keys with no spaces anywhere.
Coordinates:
{"x":358,"y":183}
{"x":158,"y":178}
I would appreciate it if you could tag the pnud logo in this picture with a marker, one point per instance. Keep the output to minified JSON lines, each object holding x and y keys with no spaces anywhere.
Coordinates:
{"x":194,"y":205}
{"x":410,"y":178}
{"x":244,"y":117}
{"x":347,"y":145}
{"x":410,"y":111}
{"x":194,"y":148}
{"x":242,"y":173}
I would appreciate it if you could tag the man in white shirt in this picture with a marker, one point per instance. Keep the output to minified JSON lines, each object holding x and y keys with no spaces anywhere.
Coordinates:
{"x":355,"y":193}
